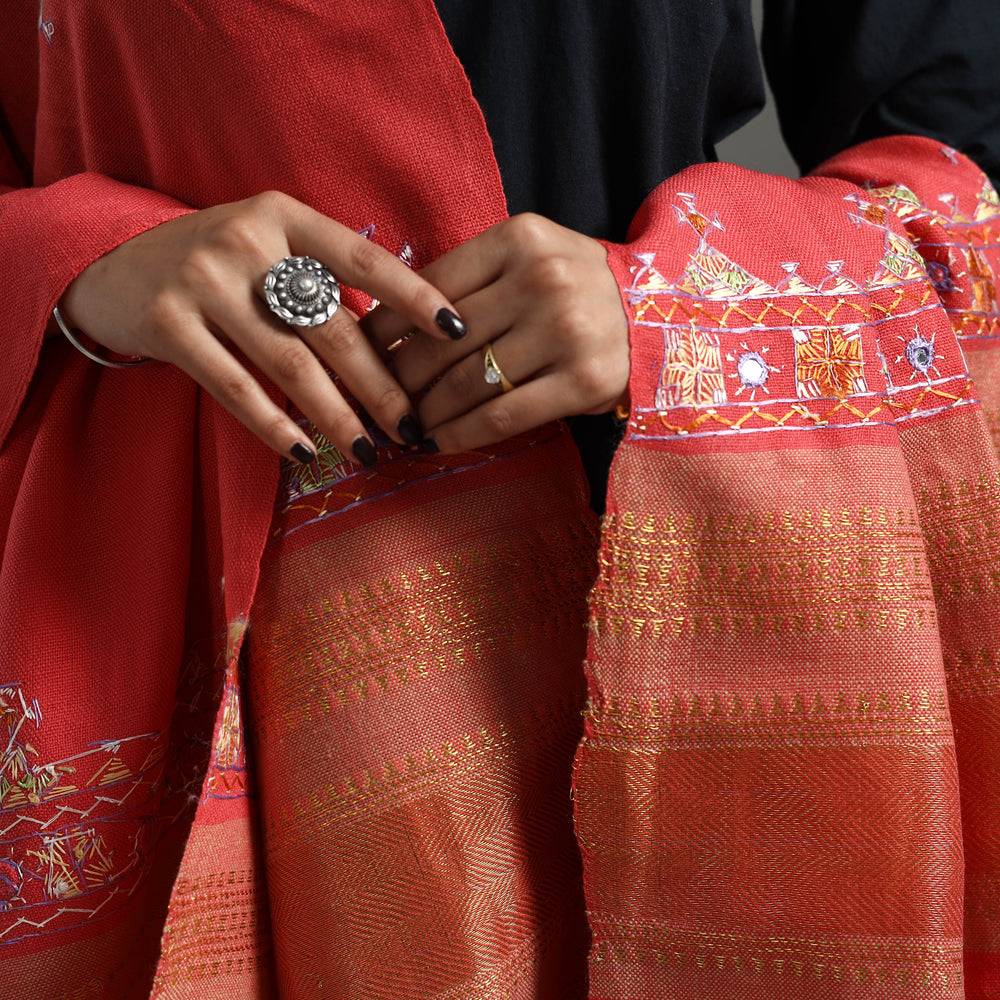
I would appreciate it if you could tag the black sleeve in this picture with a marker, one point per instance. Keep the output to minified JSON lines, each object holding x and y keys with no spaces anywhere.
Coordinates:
{"x":854,"y":70}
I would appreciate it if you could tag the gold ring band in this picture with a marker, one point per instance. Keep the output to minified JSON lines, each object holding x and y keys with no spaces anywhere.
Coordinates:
{"x":492,"y":372}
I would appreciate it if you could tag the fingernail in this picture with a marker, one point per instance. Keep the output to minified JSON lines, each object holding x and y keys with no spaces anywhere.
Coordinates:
{"x":302,"y":454}
{"x":409,"y":429}
{"x":429,"y":446}
{"x":364,"y":450}
{"x":451,"y":324}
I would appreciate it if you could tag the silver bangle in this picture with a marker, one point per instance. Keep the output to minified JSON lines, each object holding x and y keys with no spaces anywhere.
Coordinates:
{"x":61,"y":323}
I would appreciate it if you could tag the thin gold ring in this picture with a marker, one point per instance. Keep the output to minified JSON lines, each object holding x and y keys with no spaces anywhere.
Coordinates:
{"x":492,"y":371}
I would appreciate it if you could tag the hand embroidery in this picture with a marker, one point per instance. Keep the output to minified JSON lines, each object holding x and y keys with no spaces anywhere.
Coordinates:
{"x":47,"y":28}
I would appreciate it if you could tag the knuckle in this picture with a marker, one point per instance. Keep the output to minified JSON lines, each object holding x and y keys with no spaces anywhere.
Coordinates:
{"x":163,"y":325}
{"x":501,"y":421}
{"x":554,"y":275}
{"x":461,"y":382}
{"x":338,"y":337}
{"x":274,"y":427}
{"x":433,"y":354}
{"x":234,"y":390}
{"x":426,"y":301}
{"x":530,"y":231}
{"x":291,"y":361}
{"x":592,"y":380}
{"x":200,"y":269}
{"x":238,"y":234}
{"x":271,"y":202}
{"x":341,"y":429}
{"x":425,"y":358}
{"x":163,"y":313}
{"x":390,"y":399}
{"x":364,"y":258}
{"x":572,"y":323}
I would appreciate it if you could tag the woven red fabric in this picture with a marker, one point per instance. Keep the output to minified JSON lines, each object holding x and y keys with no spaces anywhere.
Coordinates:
{"x":786,"y":785}
{"x":787,"y":781}
{"x":135,"y":510}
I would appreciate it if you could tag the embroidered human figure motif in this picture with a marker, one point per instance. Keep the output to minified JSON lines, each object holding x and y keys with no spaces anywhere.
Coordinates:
{"x":47,"y":28}
{"x":75,"y":828}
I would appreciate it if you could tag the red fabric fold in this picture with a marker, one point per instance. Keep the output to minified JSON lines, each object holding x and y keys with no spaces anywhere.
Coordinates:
{"x":53,"y":233}
{"x":788,"y":766}
{"x":786,"y":780}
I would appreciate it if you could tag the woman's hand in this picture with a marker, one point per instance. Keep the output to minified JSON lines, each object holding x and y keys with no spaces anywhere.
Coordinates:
{"x":188,"y":290}
{"x":545,"y":299}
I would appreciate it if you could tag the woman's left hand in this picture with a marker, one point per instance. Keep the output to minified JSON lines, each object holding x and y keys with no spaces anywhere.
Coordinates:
{"x":544,"y":297}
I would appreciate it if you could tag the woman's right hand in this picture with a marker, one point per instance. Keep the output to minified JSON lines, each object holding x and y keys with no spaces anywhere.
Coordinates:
{"x":188,"y":290}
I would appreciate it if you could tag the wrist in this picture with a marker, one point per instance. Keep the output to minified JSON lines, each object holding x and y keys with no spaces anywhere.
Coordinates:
{"x":91,"y":349}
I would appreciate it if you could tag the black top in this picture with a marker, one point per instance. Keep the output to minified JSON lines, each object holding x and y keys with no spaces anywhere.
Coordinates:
{"x":591,"y":103}
{"x":854,"y":70}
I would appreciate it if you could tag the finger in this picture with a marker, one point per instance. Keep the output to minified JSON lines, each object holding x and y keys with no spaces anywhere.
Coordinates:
{"x":199,"y":353}
{"x":530,"y":405}
{"x":489,"y":314}
{"x":362,"y":264}
{"x":281,"y":354}
{"x":467,"y":268}
{"x":346,"y":350}
{"x":519,"y":355}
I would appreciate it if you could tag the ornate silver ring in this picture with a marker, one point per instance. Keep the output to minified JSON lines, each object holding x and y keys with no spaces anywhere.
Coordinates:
{"x":301,"y":291}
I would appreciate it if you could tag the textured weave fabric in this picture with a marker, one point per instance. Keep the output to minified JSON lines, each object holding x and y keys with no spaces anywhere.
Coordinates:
{"x":415,"y":696}
{"x":789,"y":758}
{"x":786,"y":782}
{"x":134,"y":509}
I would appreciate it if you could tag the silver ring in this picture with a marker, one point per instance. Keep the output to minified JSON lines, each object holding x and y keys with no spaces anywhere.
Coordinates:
{"x":301,"y":291}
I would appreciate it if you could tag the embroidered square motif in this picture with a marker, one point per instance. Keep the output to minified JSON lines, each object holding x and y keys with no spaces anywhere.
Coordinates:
{"x":692,"y":370}
{"x":828,"y":363}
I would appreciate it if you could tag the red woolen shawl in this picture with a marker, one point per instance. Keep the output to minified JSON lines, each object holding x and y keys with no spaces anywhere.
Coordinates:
{"x":794,"y":613}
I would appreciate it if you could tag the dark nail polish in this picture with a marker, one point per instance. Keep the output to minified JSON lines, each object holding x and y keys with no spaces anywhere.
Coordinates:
{"x":429,"y":446}
{"x":409,"y":429}
{"x":302,"y":454}
{"x":451,"y":324}
{"x":364,"y":450}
